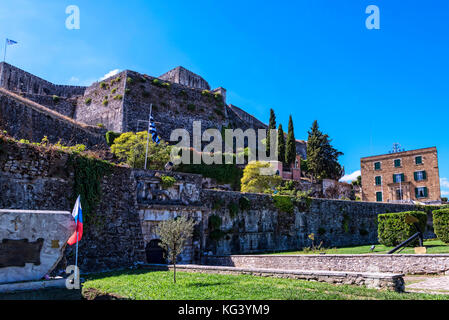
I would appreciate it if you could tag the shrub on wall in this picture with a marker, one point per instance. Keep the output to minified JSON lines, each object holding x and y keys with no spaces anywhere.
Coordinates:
{"x":88,"y":101}
{"x":393,"y":229}
{"x":441,"y":224}
{"x":56,"y":99}
{"x":167,"y":182}
{"x":111,"y":136}
{"x":233,"y":209}
{"x":284,"y":203}
{"x":87,"y":182}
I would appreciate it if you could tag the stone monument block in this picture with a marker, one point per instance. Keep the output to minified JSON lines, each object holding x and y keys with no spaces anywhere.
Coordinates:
{"x":32,"y":242}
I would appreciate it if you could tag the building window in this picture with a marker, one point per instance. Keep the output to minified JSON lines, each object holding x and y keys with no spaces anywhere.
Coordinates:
{"x":379,"y":196}
{"x":421,"y":192}
{"x":418,"y":160}
{"x":398,"y":177}
{"x":397,"y":163}
{"x":420,"y":175}
{"x":378,"y":181}
{"x":377,"y":166}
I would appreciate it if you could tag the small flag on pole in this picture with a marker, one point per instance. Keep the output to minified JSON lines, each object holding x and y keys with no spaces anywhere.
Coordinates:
{"x":77,"y":214}
{"x":10,"y":42}
{"x":153,"y":131}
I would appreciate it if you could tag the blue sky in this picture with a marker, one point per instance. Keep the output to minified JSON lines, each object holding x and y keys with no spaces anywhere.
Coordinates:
{"x":313,"y":59}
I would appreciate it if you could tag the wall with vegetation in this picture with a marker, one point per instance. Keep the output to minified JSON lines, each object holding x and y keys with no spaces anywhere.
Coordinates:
{"x":244,"y":223}
{"x":38,"y":179}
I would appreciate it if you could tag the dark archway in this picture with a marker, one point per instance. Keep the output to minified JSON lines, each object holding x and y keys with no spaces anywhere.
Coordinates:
{"x":155,"y":254}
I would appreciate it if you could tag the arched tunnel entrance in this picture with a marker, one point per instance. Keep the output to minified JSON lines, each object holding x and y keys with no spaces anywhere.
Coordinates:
{"x":154,"y":253}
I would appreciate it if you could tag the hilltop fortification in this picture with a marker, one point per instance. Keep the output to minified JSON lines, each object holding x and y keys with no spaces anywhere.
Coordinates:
{"x":120,"y":103}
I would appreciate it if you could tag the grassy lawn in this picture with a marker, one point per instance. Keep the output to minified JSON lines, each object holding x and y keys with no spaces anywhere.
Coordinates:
{"x":433,"y":246}
{"x":158,"y":285}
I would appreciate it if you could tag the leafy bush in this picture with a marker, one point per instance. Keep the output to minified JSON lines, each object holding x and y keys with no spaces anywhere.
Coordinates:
{"x":118,"y":97}
{"x":166,"y":85}
{"x":114,"y":90}
{"x":253,"y":181}
{"x":105,"y":102}
{"x":167,"y":182}
{"x":206,"y":93}
{"x":392,"y":228}
{"x":103,"y":85}
{"x":441,"y":224}
{"x":111,"y":136}
{"x":88,"y":101}
{"x":191,"y":107}
{"x":223,"y":173}
{"x":284,"y":203}
{"x":127,"y":90}
{"x":56,"y":99}
{"x":129,"y":80}
{"x":131,"y":147}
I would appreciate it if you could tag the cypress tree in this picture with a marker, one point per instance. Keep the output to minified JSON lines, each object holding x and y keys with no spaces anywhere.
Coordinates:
{"x":271,"y":125}
{"x":281,"y":144}
{"x":290,"y":151}
{"x":322,"y":158}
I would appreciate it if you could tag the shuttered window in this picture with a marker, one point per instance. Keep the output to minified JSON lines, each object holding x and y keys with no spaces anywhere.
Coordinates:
{"x":418,"y":160}
{"x":421,"y":192}
{"x":420,"y":175}
{"x":377,"y":166}
{"x":398,"y":177}
{"x":378,"y":180}
{"x":379,"y":196}
{"x":397,"y":163}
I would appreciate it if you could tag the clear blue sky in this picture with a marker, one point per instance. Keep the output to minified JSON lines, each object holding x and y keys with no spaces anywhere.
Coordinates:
{"x":313,"y":59}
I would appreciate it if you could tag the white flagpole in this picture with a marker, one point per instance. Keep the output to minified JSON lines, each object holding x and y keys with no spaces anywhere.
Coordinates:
{"x":4,"y":54}
{"x":148,"y":136}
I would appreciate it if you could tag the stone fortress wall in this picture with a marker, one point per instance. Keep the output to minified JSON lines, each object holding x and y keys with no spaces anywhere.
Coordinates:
{"x":124,"y":105}
{"x":133,"y":202}
{"x":17,"y":80}
{"x":185,"y":77}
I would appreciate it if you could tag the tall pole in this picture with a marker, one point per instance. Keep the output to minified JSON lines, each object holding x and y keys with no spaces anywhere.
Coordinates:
{"x":4,"y":54}
{"x":148,"y":136}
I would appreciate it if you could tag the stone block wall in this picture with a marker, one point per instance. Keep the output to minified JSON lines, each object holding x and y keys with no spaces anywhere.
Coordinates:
{"x":36,"y":180}
{"x":395,"y":263}
{"x":24,"y":119}
{"x":17,"y":80}
{"x":92,"y":108}
{"x":264,"y":227}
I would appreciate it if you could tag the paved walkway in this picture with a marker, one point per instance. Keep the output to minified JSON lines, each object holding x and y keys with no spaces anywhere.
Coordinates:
{"x":427,"y":284}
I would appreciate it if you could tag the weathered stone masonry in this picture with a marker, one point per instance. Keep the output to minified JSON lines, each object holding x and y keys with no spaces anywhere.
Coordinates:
{"x":133,"y":202}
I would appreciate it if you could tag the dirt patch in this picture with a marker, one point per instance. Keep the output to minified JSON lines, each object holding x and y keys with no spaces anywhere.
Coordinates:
{"x":94,"y":294}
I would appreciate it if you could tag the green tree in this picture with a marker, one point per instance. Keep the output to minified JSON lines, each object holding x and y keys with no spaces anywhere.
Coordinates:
{"x":357,"y":182}
{"x":290,"y":151}
{"x":174,"y":234}
{"x":271,"y":125}
{"x":254,"y":181}
{"x":281,"y":144}
{"x":131,"y":148}
{"x":322,"y":158}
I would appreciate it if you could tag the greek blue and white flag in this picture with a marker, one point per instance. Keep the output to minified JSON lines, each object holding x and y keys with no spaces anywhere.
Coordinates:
{"x":153,"y":131}
{"x":10,"y":42}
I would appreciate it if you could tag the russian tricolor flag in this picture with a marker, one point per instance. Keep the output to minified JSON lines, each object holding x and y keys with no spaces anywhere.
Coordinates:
{"x":77,"y":214}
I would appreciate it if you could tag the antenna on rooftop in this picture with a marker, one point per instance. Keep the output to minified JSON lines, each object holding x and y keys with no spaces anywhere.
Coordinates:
{"x":396,"y":148}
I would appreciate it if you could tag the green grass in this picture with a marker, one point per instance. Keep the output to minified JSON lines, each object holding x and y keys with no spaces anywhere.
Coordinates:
{"x":433,"y":247}
{"x":158,"y":285}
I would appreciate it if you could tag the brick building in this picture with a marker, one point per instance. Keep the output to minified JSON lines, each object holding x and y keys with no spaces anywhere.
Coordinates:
{"x":402,"y":177}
